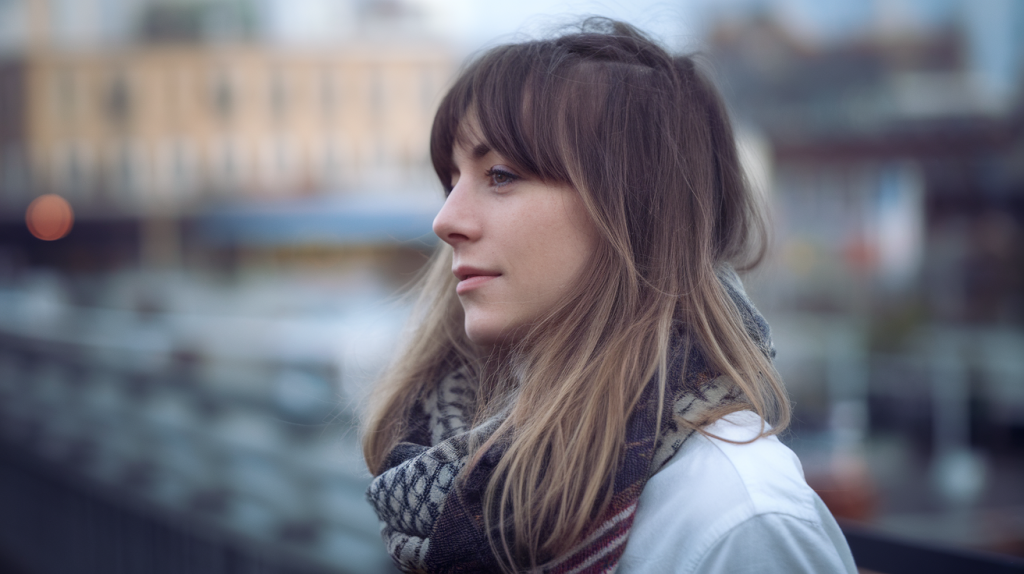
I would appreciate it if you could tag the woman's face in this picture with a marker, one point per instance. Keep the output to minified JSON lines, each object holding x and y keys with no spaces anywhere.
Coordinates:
{"x":519,"y":243}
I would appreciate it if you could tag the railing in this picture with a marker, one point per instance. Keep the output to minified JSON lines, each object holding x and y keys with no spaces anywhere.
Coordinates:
{"x":59,"y":524}
{"x":122,"y":459}
{"x":56,"y":523}
{"x":880,"y":552}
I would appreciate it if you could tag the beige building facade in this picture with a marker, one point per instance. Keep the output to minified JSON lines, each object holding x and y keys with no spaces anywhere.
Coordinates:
{"x":169,"y":128}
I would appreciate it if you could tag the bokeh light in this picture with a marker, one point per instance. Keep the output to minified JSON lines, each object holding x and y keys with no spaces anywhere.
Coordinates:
{"x":49,"y":217}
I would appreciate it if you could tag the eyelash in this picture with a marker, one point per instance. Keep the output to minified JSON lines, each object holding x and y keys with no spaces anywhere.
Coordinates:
{"x":497,"y":172}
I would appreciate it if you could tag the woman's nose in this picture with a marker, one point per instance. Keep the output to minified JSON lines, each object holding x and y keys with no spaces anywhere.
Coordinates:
{"x":456,"y":222}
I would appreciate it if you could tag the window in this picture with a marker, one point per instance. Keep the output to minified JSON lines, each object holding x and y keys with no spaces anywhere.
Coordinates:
{"x":428,"y":90}
{"x":118,"y":100}
{"x":64,"y":94}
{"x":124,"y":169}
{"x":377,"y":93}
{"x":328,"y":95}
{"x":223,"y":95}
{"x":278,"y":94}
{"x":75,"y":176}
{"x":182,"y":168}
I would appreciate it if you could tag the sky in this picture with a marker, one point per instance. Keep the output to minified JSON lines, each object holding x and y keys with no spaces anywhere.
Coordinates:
{"x":995,"y":28}
{"x":475,"y":23}
{"x":478,"y":22}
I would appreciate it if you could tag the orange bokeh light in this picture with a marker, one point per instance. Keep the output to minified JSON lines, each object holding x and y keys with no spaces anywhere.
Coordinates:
{"x":49,"y":217}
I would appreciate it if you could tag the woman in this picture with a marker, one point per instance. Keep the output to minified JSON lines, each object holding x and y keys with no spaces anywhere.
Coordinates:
{"x":586,"y":386}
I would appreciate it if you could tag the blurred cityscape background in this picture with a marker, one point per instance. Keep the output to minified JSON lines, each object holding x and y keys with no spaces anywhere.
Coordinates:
{"x":207,"y":208}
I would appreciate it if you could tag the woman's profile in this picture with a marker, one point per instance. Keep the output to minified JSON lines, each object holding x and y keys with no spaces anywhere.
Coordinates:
{"x":586,"y":387}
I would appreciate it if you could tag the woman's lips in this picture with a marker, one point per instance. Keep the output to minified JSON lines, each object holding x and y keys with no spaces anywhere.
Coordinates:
{"x":470,"y":278}
{"x":472,"y":282}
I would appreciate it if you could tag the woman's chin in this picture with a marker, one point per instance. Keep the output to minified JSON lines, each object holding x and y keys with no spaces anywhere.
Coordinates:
{"x":488,"y":335}
{"x":482,"y":336}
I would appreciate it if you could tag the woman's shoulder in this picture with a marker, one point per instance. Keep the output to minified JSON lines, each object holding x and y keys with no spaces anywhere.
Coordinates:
{"x":730,"y":471}
{"x":720,"y":501}
{"x":739,"y":468}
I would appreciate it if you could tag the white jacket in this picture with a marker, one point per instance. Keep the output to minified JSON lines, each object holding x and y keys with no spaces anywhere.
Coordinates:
{"x":718,"y":507}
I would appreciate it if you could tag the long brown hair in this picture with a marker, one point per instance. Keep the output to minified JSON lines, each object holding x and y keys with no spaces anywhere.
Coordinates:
{"x":645,"y":139}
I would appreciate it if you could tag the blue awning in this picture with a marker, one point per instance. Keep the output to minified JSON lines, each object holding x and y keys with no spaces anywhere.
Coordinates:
{"x":334,"y":220}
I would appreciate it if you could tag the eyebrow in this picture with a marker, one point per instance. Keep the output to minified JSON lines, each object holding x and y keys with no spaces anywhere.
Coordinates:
{"x":476,"y":152}
{"x":480,"y":150}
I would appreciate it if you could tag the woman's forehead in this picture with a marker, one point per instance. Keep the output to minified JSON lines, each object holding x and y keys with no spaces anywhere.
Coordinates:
{"x":468,"y":133}
{"x":469,"y":139}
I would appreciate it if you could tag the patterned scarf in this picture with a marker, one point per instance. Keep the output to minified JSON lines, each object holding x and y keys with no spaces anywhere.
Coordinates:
{"x":431,"y":526}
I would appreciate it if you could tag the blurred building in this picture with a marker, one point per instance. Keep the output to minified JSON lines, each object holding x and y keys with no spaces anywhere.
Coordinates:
{"x":217,"y":428}
{"x":897,"y":300}
{"x":882,"y":149}
{"x":171,"y":122}
{"x":160,"y":120}
{"x":167,"y":127}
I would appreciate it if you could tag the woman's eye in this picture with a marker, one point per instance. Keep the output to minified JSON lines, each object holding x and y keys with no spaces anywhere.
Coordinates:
{"x":500,"y":177}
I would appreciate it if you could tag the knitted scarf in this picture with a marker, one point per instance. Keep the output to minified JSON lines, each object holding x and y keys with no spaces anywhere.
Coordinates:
{"x":431,"y":523}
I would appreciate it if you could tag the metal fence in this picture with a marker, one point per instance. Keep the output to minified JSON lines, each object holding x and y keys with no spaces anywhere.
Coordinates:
{"x":115,"y":461}
{"x":55,"y":523}
{"x":887,"y":554}
{"x":122,"y":457}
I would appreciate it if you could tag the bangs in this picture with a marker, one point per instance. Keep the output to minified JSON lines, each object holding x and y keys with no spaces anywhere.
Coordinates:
{"x":510,"y":96}
{"x":558,"y":110}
